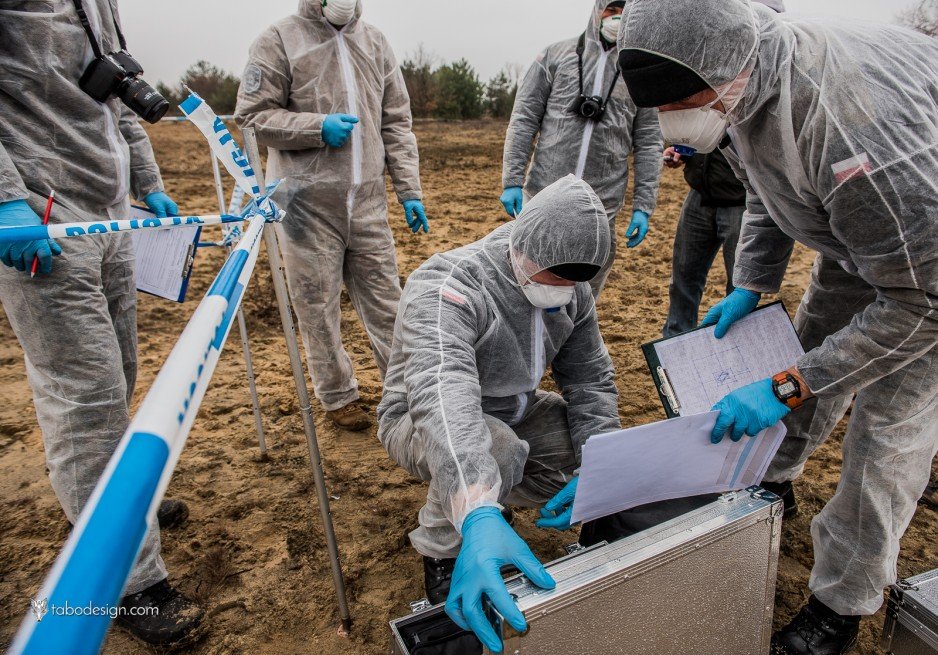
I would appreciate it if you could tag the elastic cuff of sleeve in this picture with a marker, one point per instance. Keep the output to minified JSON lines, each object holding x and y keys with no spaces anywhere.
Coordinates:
{"x":756,"y":281}
{"x":469,"y":510}
{"x":512,"y":182}
{"x":13,"y":196}
{"x":409,"y":195}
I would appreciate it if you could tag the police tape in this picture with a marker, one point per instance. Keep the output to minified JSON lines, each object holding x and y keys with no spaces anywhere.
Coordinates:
{"x":66,"y":230}
{"x":97,"y":559}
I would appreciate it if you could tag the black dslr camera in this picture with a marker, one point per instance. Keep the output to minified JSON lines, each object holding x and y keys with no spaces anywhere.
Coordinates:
{"x":117,"y":74}
{"x":592,"y":108}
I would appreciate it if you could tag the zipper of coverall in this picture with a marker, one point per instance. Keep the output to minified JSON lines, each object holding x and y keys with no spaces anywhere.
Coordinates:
{"x":588,"y":129}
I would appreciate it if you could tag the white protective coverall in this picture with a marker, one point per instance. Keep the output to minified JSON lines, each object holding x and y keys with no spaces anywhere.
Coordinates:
{"x":596,"y":152}
{"x":78,"y":325}
{"x":300,"y":70}
{"x":837,"y":141}
{"x":461,"y":406}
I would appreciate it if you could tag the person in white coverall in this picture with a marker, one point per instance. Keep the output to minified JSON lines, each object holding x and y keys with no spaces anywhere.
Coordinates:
{"x":478,"y":327}
{"x":558,"y":131}
{"x":833,"y":127}
{"x":324,"y":92}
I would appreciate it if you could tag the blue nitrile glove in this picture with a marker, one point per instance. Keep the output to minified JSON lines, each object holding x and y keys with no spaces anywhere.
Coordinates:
{"x":416,"y":216}
{"x":748,"y":410}
{"x":637,"y":229}
{"x":337,"y":128}
{"x":20,"y":255}
{"x":735,"y":306}
{"x":488,"y":544}
{"x":512,"y":200}
{"x":557,"y":512}
{"x":161,"y":205}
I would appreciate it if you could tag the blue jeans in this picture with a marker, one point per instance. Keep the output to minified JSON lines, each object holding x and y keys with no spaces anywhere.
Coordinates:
{"x":700,"y":234}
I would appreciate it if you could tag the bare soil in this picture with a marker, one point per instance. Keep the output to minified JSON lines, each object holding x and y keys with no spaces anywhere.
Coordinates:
{"x":252,"y":550}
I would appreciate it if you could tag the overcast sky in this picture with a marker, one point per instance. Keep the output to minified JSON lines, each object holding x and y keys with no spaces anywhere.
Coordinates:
{"x":169,"y":35}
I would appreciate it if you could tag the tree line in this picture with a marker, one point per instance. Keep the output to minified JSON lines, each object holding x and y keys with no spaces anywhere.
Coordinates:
{"x":450,"y":91}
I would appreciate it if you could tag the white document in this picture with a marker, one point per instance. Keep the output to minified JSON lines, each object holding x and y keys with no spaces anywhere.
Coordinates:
{"x":164,"y":258}
{"x":665,"y":460}
{"x":702,"y":369}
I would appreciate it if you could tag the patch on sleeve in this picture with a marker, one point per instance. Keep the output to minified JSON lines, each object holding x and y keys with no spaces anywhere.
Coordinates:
{"x":452,"y":296}
{"x":251,"y":81}
{"x":852,"y":168}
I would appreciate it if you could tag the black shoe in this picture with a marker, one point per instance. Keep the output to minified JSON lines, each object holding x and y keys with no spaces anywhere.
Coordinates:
{"x":437,"y":575}
{"x":172,"y":620}
{"x":172,"y":514}
{"x":785,"y":491}
{"x":817,"y":630}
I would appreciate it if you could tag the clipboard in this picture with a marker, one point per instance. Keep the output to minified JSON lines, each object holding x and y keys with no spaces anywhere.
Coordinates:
{"x":745,"y":368}
{"x":165,"y":258}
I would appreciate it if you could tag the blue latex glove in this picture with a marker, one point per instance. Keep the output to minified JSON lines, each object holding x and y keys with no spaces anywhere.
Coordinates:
{"x":20,"y":255}
{"x":512,"y":200}
{"x":161,"y":205}
{"x":337,"y":128}
{"x":637,"y":229}
{"x":748,"y":410}
{"x":488,"y":544}
{"x":557,"y":512}
{"x":735,"y":306}
{"x":416,"y":216}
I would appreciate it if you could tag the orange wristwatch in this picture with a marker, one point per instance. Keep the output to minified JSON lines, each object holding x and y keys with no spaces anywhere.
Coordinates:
{"x":787,"y":389}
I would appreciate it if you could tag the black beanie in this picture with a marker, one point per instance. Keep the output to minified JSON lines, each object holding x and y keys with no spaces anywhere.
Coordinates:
{"x":575,"y":272}
{"x":654,"y":81}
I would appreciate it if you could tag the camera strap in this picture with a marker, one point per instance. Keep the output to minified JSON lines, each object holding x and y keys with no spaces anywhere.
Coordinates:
{"x":580,"y":50}
{"x":86,"y":24}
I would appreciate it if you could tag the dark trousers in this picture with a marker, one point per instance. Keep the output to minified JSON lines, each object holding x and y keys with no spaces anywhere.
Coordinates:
{"x":701,"y":233}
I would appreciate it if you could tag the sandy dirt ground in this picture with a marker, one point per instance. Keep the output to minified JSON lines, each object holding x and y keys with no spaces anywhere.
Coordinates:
{"x":253,"y":550}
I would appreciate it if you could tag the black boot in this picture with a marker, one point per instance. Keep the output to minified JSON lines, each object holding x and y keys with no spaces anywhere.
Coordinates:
{"x":171,"y":514}
{"x":437,"y":575}
{"x":817,"y":630}
{"x":173,"y":619}
{"x":785,"y":491}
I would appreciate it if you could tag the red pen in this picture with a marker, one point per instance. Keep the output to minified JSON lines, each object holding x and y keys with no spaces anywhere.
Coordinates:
{"x":45,"y":221}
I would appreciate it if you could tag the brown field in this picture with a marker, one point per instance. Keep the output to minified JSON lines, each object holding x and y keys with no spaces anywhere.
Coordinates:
{"x":253,"y":550}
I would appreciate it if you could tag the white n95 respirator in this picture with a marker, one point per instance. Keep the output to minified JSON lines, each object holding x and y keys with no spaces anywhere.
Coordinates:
{"x":700,"y":128}
{"x":339,"y":12}
{"x":546,"y":296}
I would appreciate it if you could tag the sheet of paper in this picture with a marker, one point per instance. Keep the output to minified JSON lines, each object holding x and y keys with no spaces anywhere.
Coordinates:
{"x":162,"y":258}
{"x":703,"y":369}
{"x":665,"y":460}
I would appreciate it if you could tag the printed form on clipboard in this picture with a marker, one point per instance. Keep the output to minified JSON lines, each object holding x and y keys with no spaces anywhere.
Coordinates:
{"x":695,"y":370}
{"x":164,"y":258}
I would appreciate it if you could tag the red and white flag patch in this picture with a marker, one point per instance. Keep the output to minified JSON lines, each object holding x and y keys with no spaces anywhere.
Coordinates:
{"x":452,"y":296}
{"x":852,"y":168}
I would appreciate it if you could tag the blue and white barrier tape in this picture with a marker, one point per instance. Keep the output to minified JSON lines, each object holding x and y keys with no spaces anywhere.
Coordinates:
{"x":94,"y":565}
{"x":66,"y":230}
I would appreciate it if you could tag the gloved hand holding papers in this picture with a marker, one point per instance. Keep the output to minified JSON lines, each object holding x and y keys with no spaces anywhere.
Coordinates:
{"x":670,"y":459}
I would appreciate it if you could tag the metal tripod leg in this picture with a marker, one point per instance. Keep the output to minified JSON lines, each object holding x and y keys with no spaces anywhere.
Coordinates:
{"x":242,"y":326}
{"x":299,"y":377}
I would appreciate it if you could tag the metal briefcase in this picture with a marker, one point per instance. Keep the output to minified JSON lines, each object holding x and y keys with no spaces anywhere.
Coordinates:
{"x":912,"y":616}
{"x":703,"y":583}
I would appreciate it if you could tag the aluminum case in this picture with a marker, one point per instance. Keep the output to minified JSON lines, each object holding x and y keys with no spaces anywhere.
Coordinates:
{"x":912,"y":616}
{"x":702,"y":583}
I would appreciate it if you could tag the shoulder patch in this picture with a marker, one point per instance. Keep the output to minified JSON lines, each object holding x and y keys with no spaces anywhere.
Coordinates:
{"x":852,"y":168}
{"x":251,"y":81}
{"x":452,"y":296}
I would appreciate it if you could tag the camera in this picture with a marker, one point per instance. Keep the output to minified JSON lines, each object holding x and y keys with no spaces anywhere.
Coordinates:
{"x":116,"y":74}
{"x":592,"y":108}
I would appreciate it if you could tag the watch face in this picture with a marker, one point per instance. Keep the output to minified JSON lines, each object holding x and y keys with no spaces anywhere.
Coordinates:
{"x":786,"y":389}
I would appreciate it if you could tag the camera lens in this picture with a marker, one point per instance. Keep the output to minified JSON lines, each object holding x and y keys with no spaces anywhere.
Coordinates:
{"x":143,"y":100}
{"x":590,"y":108}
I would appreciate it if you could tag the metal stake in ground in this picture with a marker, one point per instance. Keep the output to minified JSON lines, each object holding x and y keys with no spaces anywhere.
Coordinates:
{"x":242,"y":326}
{"x":299,"y":377}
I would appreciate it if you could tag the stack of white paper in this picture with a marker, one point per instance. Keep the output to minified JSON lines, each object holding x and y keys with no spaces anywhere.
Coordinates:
{"x":666,"y":460}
